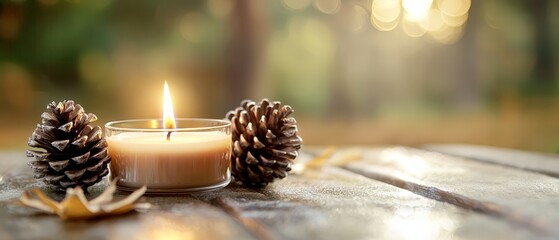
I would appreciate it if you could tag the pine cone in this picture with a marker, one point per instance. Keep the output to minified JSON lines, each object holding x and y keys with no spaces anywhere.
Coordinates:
{"x":69,"y":152}
{"x":265,"y":142}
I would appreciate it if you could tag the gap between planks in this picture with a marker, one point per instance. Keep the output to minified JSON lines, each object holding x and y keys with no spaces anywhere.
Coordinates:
{"x":546,"y":164}
{"x":515,"y":217}
{"x":257,"y":229}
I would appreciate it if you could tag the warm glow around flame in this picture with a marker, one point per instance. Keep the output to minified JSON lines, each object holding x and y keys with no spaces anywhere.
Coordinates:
{"x":168,"y":115}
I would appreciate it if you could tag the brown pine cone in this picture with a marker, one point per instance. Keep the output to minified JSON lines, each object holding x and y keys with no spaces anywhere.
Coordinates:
{"x":265,"y":142}
{"x":68,"y":151}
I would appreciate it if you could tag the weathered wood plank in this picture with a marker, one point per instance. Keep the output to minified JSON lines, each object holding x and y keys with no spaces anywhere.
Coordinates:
{"x":524,"y":198}
{"x":333,"y":203}
{"x":10,"y":160}
{"x":547,"y":164}
{"x":172,"y":217}
{"x":329,"y":203}
{"x":189,"y":220}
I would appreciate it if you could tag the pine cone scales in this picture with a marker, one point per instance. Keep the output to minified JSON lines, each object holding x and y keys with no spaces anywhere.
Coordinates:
{"x":69,"y":152}
{"x":265,"y":142}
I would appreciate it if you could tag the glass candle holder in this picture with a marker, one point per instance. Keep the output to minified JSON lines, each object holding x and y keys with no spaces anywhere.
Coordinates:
{"x":194,"y":157}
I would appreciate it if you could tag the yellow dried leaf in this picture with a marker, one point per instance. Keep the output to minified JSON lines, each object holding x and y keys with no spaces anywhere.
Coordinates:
{"x":345,"y":157}
{"x":46,"y":200}
{"x":27,"y":200}
{"x":106,"y":196}
{"x":319,"y":160}
{"x":76,"y":206}
{"x":329,"y":157}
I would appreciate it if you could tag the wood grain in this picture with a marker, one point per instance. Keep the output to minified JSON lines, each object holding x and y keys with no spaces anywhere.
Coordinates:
{"x":172,"y":217}
{"x":333,"y":203}
{"x":324,"y":203}
{"x":547,"y":164}
{"x":520,"y":197}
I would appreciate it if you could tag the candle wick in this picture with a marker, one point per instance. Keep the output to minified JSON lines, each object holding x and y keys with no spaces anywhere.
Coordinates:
{"x":168,"y":136}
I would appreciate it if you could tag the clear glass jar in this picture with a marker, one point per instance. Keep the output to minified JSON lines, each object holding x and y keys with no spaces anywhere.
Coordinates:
{"x":195,"y":156}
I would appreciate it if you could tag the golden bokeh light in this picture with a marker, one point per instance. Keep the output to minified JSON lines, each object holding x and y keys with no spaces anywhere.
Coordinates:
{"x":416,"y":10}
{"x":443,"y":19}
{"x":296,"y":4}
{"x":448,"y":34}
{"x":412,"y":29}
{"x":454,"y":8}
{"x":328,"y":6}
{"x":384,"y":26}
{"x":433,"y":22}
{"x":358,"y":18}
{"x":455,"y":21}
{"x":385,"y":11}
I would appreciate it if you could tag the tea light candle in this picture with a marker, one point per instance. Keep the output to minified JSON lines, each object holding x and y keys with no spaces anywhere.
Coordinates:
{"x":168,"y":159}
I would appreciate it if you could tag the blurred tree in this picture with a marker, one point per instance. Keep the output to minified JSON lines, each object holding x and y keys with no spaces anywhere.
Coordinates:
{"x":544,"y":65}
{"x":247,"y":25}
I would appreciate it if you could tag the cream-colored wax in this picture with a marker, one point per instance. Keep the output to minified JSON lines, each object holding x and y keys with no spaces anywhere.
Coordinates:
{"x":188,"y":160}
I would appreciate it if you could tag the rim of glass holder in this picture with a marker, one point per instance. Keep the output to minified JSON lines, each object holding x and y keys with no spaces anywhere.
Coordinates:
{"x":173,"y":191}
{"x":221,"y":124}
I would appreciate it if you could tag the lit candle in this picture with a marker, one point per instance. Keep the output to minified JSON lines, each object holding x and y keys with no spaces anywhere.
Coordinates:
{"x":170,"y":155}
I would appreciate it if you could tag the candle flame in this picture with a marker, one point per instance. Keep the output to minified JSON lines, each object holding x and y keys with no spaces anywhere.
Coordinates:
{"x":168,"y":115}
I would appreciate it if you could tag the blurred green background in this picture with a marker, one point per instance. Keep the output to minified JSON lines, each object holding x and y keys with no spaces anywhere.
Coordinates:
{"x":357,"y":72}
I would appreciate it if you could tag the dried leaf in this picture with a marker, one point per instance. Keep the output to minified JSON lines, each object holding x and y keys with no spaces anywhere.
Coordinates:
{"x":344,"y":157}
{"x":26,"y":200}
{"x":306,"y":161}
{"x":76,"y":206}
{"x":328,"y":157}
{"x":105,"y":197}
{"x":53,"y":205}
{"x":319,"y":161}
{"x":73,"y":206}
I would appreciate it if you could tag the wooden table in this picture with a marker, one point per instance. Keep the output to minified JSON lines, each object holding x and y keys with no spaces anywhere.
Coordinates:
{"x":438,"y":192}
